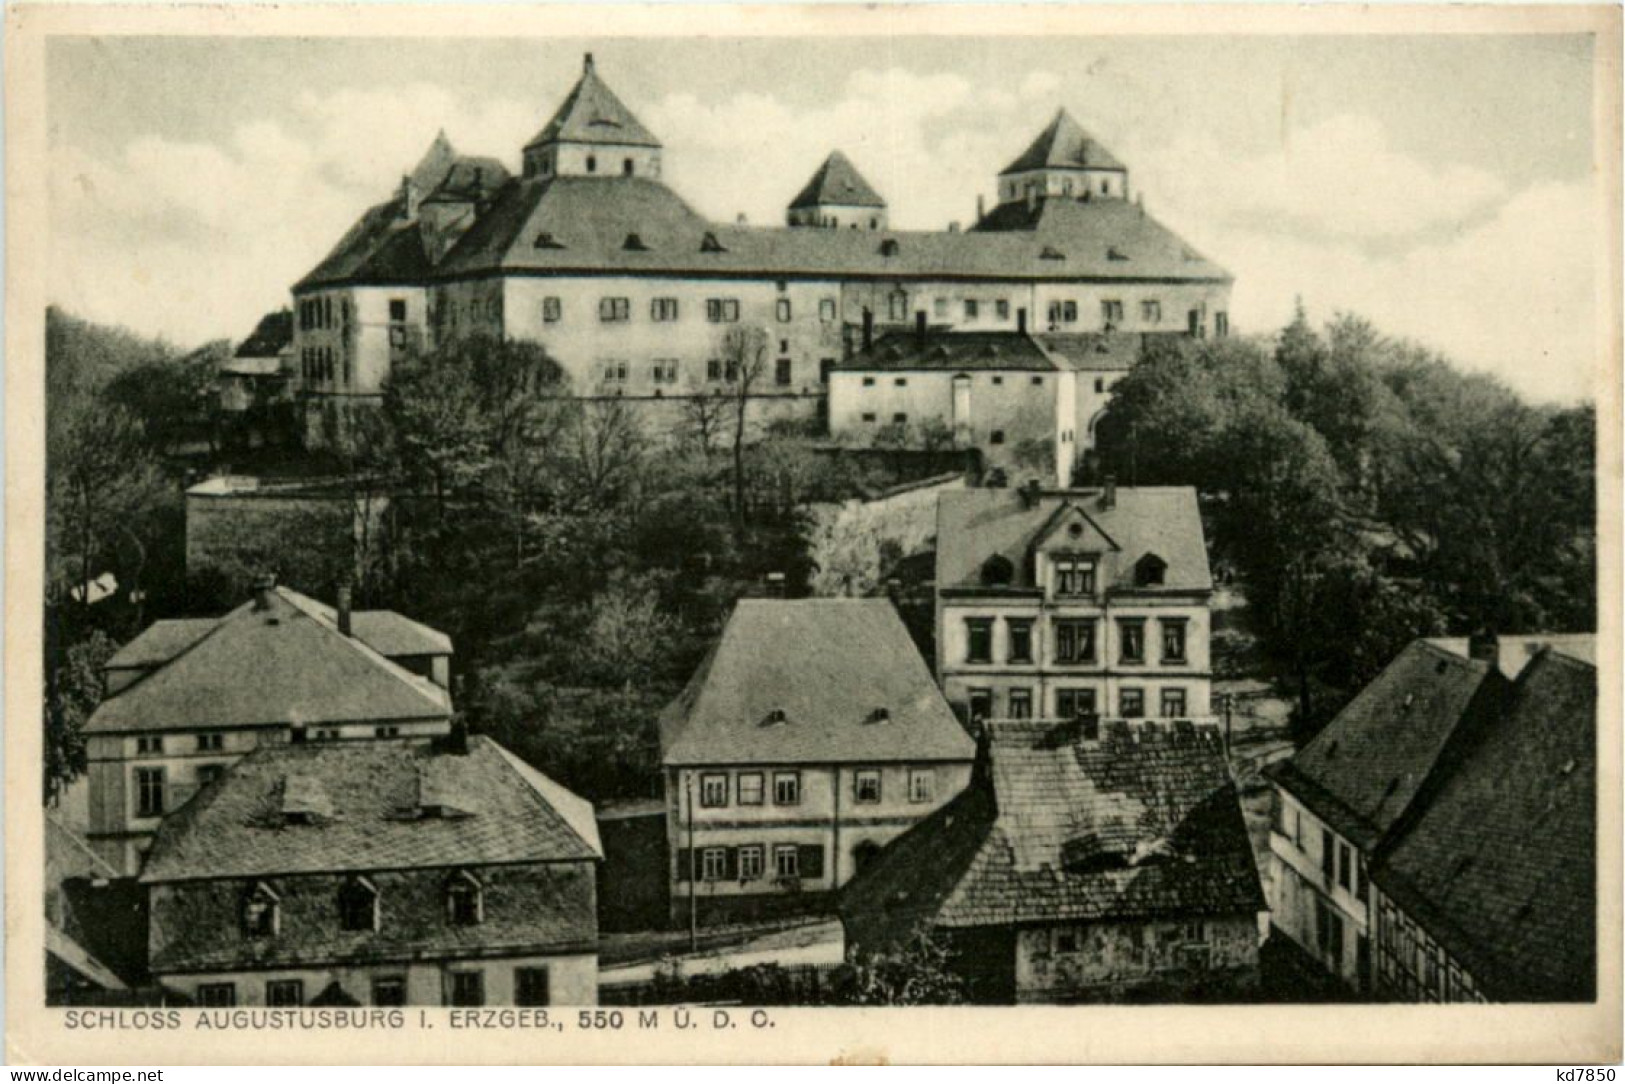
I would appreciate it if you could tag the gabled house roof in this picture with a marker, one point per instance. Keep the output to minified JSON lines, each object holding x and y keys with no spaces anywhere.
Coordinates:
{"x":812,"y":681}
{"x":272,"y":335}
{"x":1063,"y":144}
{"x":837,"y":182}
{"x":281,"y":664}
{"x":591,"y":113}
{"x":1513,"y":653}
{"x":1363,"y":771}
{"x":974,"y":525}
{"x":371,"y":817}
{"x":1499,"y":864}
{"x":1138,"y":825}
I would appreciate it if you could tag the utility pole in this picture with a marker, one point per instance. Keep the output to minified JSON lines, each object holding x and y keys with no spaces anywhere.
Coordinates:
{"x":693,"y":904}
{"x":1226,"y":699}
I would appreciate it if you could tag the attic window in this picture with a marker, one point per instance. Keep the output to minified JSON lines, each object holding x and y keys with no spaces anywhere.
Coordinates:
{"x":1115,"y":253}
{"x":775,"y":717}
{"x":465,"y":899}
{"x":547,"y":240}
{"x":358,"y":905}
{"x":262,"y":911}
{"x":889,"y":247}
{"x":991,"y":350}
{"x":634,"y":243}
{"x":997,"y":571}
{"x":435,"y":799}
{"x":304,"y":801}
{"x":1051,"y":253}
{"x":1151,"y":571}
{"x":1090,"y":853}
{"x":879,"y":715}
{"x":709,"y":243}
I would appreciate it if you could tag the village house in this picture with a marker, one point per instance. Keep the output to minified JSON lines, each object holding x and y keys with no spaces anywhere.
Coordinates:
{"x":257,"y":372}
{"x":810,"y":737}
{"x":1489,"y":893}
{"x":1073,"y":603}
{"x":388,"y":872}
{"x":588,"y":252}
{"x":1030,"y":402}
{"x":188,"y":698}
{"x":1082,"y":864}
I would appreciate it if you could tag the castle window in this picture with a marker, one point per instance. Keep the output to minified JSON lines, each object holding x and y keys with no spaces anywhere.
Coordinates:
{"x":997,"y":571}
{"x":897,"y":305}
{"x":1021,"y":703}
{"x":750,"y":788}
{"x":613,"y":310}
{"x":786,"y":788}
{"x":1221,"y":325}
{"x":997,"y":436}
{"x":615,"y":372}
{"x":1075,"y":640}
{"x":552,"y":310}
{"x":467,"y":989}
{"x":149,"y":792}
{"x":592,"y":164}
{"x":217,"y":995}
{"x":713,"y":369}
{"x":874,"y":223}
{"x":970,"y":310}
{"x":781,"y":371}
{"x":663,"y":309}
{"x":1074,"y":576}
{"x":869,"y":417}
{"x":211,"y":743}
{"x":939,"y":308}
{"x":1150,"y":571}
{"x":626,"y":167}
{"x":1151,"y":312}
{"x":665,"y":371}
{"x":1111,"y":312}
{"x":826,"y":309}
{"x":899,"y":419}
{"x":783,"y":310}
{"x":465,"y":899}
{"x":1001,"y":309}
{"x":1105,"y":187}
{"x":358,"y":905}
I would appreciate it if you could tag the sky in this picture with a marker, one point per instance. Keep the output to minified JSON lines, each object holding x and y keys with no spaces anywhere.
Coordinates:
{"x":1441,"y":186}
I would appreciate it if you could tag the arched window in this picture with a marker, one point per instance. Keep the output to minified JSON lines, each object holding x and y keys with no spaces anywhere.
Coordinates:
{"x":262,"y":911}
{"x":997,"y":571}
{"x":592,"y":164}
{"x":358,"y":905}
{"x":1150,"y":571}
{"x":465,"y":899}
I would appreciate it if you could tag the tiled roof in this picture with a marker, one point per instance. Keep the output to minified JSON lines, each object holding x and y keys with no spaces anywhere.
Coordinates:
{"x":838,"y":182}
{"x":233,"y":828}
{"x":587,"y":221}
{"x":1063,"y":145}
{"x":1500,"y":864}
{"x":1095,"y":351}
{"x":469,"y":180}
{"x":987,"y":351}
{"x":384,"y":246}
{"x":1514,"y":652}
{"x":270,"y":336}
{"x":593,"y":114}
{"x":287,"y":663}
{"x":1362,"y":772}
{"x":974,"y":525}
{"x":1136,"y":825}
{"x":828,"y":665}
{"x":161,"y":641}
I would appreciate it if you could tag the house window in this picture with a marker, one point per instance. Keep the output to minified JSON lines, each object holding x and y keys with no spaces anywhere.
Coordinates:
{"x":663,"y":309}
{"x":149,"y":792}
{"x":397,"y":309}
{"x":1074,"y":576}
{"x":1221,"y":325}
{"x":713,"y":370}
{"x":922,"y":784}
{"x":1021,"y":703}
{"x":1021,"y":639}
{"x":786,"y":861}
{"x":899,"y":419}
{"x":664,"y":371}
{"x":217,"y":995}
{"x":468,"y":987}
{"x":722,"y":310}
{"x":381,"y":732}
{"x":939,"y":308}
{"x":981,"y":704}
{"x":592,"y":163}
{"x":465,"y":903}
{"x":978,"y":639}
{"x":752,"y":862}
{"x":1329,"y":932}
{"x":868,"y":381}
{"x":1071,"y":703}
{"x":1100,"y":385}
{"x":284,"y":993}
{"x":1151,"y":312}
{"x":615,"y":372}
{"x":1001,"y":309}
{"x":1345,"y":866}
{"x":614,"y":310}
{"x":552,"y":310}
{"x":260,"y":918}
{"x":970,"y":309}
{"x":866,"y":786}
{"x":868,"y":417}
{"x":1131,"y":703}
{"x":713,"y":791}
{"x":782,"y":310}
{"x":1173,"y":703}
{"x":750,"y":788}
{"x":1131,"y":640}
{"x":897,"y":306}
{"x":997,"y":436}
{"x":826,"y":310}
{"x":358,"y":905}
{"x":151,"y":744}
{"x":1111,"y":313}
{"x":211,"y":743}
{"x":781,"y":371}
{"x":1193,"y":322}
{"x":900,"y":381}
{"x":208,"y":773}
{"x":713,"y":863}
{"x":1173,"y":640}
{"x":530,"y":985}
{"x":1074,"y":641}
{"x":388,"y":991}
{"x":786,"y":788}
{"x":626,"y":167}
{"x":1328,"y":854}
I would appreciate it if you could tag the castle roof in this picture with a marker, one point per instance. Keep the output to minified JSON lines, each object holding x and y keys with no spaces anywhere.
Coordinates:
{"x":270,"y":336}
{"x":1063,"y":145}
{"x":837,"y":182}
{"x":996,"y":351}
{"x":593,"y":114}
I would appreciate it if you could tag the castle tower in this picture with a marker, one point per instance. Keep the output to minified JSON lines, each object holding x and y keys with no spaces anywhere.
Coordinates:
{"x":593,"y":135}
{"x":838,"y":197}
{"x":1064,"y":161}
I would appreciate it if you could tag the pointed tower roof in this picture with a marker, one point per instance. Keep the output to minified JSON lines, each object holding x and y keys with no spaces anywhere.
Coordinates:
{"x":435,"y":164}
{"x":592,"y":114}
{"x":1064,"y":145}
{"x":838,"y":182}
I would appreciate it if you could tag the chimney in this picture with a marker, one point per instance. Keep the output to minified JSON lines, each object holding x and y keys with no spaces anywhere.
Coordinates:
{"x":980,"y":212}
{"x":1108,"y":493}
{"x":1021,"y":321}
{"x":586,"y":65}
{"x":457,"y":739}
{"x":1484,"y":646}
{"x":344,"y":610}
{"x":741,"y":219}
{"x":868,"y":328}
{"x":919,"y":326}
{"x":953,"y":227}
{"x":264,"y":587}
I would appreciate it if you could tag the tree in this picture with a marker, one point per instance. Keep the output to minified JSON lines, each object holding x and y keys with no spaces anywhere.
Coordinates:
{"x":917,"y":972}
{"x":744,"y":360}
{"x":705,"y":415}
{"x":72,"y":693}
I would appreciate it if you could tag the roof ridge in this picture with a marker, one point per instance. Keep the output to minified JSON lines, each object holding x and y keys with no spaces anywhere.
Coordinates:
{"x":417,"y":684}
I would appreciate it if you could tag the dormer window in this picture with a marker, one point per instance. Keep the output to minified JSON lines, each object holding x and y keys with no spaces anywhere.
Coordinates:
{"x":465,"y":899}
{"x":358,"y":905}
{"x":1074,"y":575}
{"x":709,"y":243}
{"x":547,"y":240}
{"x":889,"y":247}
{"x":634,"y":243}
{"x":997,"y":571}
{"x":262,"y":911}
{"x":1150,"y":571}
